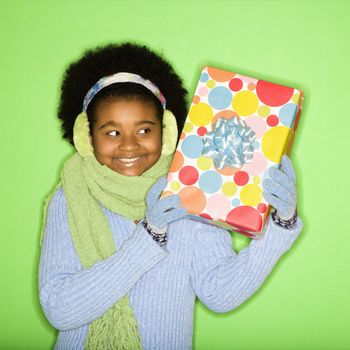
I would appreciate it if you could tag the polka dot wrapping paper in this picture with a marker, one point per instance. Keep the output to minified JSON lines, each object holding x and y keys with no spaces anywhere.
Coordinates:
{"x":232,"y":197}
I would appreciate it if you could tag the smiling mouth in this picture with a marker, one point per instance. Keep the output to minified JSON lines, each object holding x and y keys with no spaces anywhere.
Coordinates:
{"x":129,"y":162}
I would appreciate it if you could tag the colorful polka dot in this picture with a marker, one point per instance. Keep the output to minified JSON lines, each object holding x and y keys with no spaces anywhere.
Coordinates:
{"x":201,"y":114}
{"x":273,"y":94}
{"x":218,"y":206}
{"x":175,"y":186}
{"x":188,"y":175}
{"x":251,"y":86}
{"x":263,"y":111}
{"x":192,"y":146}
{"x":251,"y":194}
{"x":257,"y":124}
{"x":205,"y":216}
{"x":204,"y":77}
{"x":211,"y":84}
{"x":245,"y":218}
{"x":257,"y":180}
{"x":177,"y":163}
{"x":204,"y":163}
{"x":220,"y":97}
{"x":261,"y":208}
{"x":201,"y":131}
{"x":210,"y":181}
{"x":220,"y":75}
{"x":196,"y":99}
{"x":235,"y":202}
{"x":287,"y":114}
{"x":272,"y":120}
{"x":236,"y":84}
{"x":241,"y":178}
{"x":245,"y":103}
{"x":188,"y":127}
{"x":274,"y":142}
{"x":296,"y":98}
{"x":193,"y":199}
{"x":203,"y":91}
{"x":257,"y":165}
{"x":229,"y":188}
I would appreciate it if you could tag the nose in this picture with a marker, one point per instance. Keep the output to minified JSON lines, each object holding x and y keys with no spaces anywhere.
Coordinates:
{"x":128,"y":143}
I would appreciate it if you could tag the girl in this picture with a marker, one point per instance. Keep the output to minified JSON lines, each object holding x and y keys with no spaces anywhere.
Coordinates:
{"x":121,"y":268}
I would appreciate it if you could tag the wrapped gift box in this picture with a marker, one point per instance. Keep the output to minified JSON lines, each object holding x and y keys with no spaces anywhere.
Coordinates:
{"x":237,"y":127}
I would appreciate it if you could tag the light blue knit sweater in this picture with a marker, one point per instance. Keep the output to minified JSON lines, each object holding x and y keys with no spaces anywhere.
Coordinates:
{"x":162,"y":283}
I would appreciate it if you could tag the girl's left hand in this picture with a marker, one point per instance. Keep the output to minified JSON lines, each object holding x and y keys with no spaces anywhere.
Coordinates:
{"x":280,"y":189}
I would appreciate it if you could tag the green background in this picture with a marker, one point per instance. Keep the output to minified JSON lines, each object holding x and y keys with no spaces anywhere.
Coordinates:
{"x":304,"y":304}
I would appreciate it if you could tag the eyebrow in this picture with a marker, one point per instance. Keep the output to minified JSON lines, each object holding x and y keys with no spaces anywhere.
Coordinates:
{"x":112,"y":123}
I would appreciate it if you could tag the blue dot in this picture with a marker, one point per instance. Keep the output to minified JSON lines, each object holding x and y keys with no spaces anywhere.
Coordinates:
{"x":192,"y":146}
{"x":256,"y":144}
{"x":210,"y":181}
{"x":287,"y":114}
{"x":220,"y":97}
{"x":204,"y":77}
{"x":236,"y":202}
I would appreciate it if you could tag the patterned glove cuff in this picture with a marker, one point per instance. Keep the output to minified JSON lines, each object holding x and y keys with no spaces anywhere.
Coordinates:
{"x":287,"y":224}
{"x":158,"y":236}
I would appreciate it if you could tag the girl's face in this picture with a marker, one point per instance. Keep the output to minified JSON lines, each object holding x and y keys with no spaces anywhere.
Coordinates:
{"x":126,"y":136}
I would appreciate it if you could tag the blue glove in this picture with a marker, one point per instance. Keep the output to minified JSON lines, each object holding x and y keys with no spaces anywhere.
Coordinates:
{"x":280,"y":189}
{"x":160,"y":212}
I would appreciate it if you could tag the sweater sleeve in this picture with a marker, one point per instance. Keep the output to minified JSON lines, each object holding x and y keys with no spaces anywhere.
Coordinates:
{"x":223,"y":279}
{"x":71,"y":295}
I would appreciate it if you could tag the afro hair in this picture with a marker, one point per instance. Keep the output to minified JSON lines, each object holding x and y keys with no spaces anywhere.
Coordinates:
{"x":103,"y":61}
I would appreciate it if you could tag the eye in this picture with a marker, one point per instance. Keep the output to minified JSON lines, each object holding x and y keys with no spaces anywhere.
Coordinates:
{"x":113,"y":133}
{"x":145,"y":131}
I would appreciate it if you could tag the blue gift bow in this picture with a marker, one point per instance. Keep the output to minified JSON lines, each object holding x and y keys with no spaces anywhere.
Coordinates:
{"x":230,"y":143}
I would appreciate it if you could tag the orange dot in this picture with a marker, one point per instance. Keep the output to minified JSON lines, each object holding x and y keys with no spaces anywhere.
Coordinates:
{"x":228,"y":171}
{"x":251,"y":86}
{"x":167,"y":193}
{"x":177,"y":163}
{"x":220,"y":75}
{"x":227,"y":114}
{"x":193,"y":199}
{"x":196,"y":99}
{"x":182,"y":136}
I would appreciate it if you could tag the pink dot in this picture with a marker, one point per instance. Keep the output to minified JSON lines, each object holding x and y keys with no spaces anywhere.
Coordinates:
{"x":202,"y":131}
{"x":272,"y":120}
{"x":241,"y":178}
{"x":261,"y":208}
{"x":257,"y":124}
{"x":218,"y":206}
{"x":236,"y":84}
{"x":257,"y":165}
{"x":203,"y":91}
{"x":188,"y":175}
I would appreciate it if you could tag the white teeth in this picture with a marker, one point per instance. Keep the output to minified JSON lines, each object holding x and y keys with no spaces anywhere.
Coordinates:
{"x":129,"y":161}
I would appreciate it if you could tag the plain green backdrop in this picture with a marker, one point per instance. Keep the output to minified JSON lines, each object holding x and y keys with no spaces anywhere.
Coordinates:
{"x":304,"y":304}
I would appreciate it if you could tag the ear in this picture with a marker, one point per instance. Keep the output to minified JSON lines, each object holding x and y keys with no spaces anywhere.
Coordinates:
{"x":169,"y":134}
{"x":81,"y":135}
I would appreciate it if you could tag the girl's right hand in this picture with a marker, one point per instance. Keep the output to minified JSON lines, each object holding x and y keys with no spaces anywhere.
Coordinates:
{"x":161,"y":212}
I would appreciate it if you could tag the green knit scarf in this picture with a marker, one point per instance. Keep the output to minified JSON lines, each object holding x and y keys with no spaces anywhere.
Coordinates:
{"x":88,"y":185}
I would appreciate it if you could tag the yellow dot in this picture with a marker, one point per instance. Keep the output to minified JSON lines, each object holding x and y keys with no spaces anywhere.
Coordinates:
{"x":274,"y":142}
{"x":229,"y":189}
{"x":251,"y":195}
{"x":204,"y":163}
{"x":175,"y":186}
{"x":201,"y":114}
{"x":245,"y":103}
{"x":295,"y":98}
{"x":257,"y":180}
{"x":264,"y":111}
{"x":188,"y":127}
{"x":210,"y":83}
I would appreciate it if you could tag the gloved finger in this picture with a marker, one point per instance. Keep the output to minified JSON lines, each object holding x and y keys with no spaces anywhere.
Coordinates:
{"x":155,"y":191}
{"x":278,"y":190}
{"x":287,"y":167}
{"x":284,"y":210}
{"x":167,"y":203}
{"x":283,"y":179}
{"x":172,"y":215}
